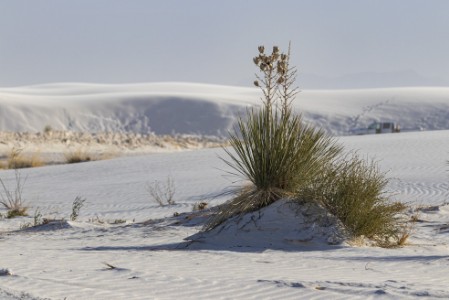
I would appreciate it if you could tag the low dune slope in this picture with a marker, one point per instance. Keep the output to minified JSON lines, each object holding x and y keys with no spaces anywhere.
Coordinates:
{"x":186,"y":108}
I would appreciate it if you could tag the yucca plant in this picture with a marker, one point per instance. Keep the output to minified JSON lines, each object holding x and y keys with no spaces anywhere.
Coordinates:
{"x":272,"y":147}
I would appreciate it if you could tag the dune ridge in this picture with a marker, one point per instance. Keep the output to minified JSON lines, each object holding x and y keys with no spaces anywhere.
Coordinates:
{"x":202,"y":109}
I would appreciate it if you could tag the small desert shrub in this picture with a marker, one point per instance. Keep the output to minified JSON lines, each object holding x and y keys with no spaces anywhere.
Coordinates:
{"x":17,"y":160}
{"x":199,"y":206}
{"x":13,"y":200}
{"x":25,"y":225}
{"x":96,"y":220}
{"x":77,"y":204}
{"x":272,"y":147}
{"x":37,"y":221}
{"x":77,"y":156}
{"x":37,"y":217}
{"x":282,"y":157}
{"x":48,"y":129}
{"x":118,"y":221}
{"x":162,"y":193}
{"x":353,"y":191}
{"x":17,"y":212}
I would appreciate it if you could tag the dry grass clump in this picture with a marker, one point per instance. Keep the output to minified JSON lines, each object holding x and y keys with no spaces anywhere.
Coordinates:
{"x":82,"y":155}
{"x":13,"y":200}
{"x":353,"y":190}
{"x":77,"y":204}
{"x":47,"y":129}
{"x":199,"y":206}
{"x":162,"y":193}
{"x":77,"y":156}
{"x":17,"y":160}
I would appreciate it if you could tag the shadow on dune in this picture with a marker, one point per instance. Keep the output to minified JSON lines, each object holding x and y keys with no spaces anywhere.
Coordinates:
{"x":284,"y":226}
{"x":168,"y":115}
{"x":422,"y":258}
{"x":197,"y":246}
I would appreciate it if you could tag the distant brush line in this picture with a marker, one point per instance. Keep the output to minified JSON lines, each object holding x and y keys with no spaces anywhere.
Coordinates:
{"x":127,"y":140}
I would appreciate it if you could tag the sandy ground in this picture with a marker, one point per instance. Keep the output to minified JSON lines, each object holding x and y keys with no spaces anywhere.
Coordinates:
{"x":112,"y":251}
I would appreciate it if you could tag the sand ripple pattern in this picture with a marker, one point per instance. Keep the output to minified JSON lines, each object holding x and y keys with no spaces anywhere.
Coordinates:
{"x":420,"y":193}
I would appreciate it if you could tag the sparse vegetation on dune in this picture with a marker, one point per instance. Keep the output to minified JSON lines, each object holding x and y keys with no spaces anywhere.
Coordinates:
{"x":16,"y":159}
{"x":77,"y":204}
{"x":77,"y":156}
{"x":162,"y":193}
{"x":284,"y":158}
{"x":12,"y":200}
{"x":272,"y":147}
{"x":127,"y":140}
{"x":199,"y":206}
{"x":81,"y":154}
{"x":353,"y":190}
{"x":72,"y":147}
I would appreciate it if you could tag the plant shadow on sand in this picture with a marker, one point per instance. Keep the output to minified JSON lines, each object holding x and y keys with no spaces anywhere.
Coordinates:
{"x":197,"y":246}
{"x":283,"y":226}
{"x":396,"y":258}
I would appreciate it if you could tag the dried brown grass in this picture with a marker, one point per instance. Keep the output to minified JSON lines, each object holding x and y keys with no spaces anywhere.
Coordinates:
{"x":12,"y":200}
{"x":16,"y":159}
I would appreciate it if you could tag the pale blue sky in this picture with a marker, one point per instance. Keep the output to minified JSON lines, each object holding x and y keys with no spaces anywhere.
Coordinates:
{"x":120,"y":41}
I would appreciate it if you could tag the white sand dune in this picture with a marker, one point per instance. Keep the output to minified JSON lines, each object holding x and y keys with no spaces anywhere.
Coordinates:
{"x":186,"y":108}
{"x":283,"y":225}
{"x":161,"y":108}
{"x":153,"y":260}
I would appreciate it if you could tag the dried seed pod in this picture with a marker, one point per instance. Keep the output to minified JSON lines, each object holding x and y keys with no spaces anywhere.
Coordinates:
{"x":275,"y":49}
{"x":283,"y":57}
{"x":263,"y":66}
{"x":256,"y":60}
{"x":256,"y":83}
{"x":261,"y":49}
{"x":280,"y":80}
{"x":279,"y":69}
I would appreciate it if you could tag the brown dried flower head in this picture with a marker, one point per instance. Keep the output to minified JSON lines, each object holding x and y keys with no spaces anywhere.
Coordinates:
{"x":261,"y":49}
{"x":281,"y":67}
{"x":256,"y":60}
